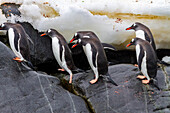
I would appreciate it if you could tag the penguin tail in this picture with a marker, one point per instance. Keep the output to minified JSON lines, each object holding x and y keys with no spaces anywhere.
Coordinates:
{"x":110,"y":79}
{"x":30,"y":65}
{"x":154,"y":82}
{"x":163,"y":62}
{"x":77,"y":70}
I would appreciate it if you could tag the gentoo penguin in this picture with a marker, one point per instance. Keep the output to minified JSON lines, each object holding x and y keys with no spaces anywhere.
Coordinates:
{"x":146,"y":58}
{"x":61,"y":52}
{"x":96,"y":57}
{"x":143,"y":32}
{"x":90,"y":34}
{"x":19,"y":42}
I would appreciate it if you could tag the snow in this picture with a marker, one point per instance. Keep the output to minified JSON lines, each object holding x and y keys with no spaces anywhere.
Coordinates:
{"x":70,"y":16}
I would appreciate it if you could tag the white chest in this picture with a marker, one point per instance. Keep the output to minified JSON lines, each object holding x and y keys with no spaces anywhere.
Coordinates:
{"x":137,"y":51}
{"x":140,"y":34}
{"x":56,"y":49}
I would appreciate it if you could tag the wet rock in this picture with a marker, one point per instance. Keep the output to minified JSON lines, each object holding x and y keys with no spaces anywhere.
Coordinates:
{"x":131,"y":96}
{"x":26,"y":91}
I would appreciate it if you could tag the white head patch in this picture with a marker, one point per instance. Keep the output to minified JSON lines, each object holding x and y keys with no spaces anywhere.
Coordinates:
{"x":75,"y":34}
{"x":134,"y":24}
{"x":2,"y":25}
{"x":49,"y":31}
{"x":79,"y":40}
{"x":86,"y":37}
{"x":133,"y":40}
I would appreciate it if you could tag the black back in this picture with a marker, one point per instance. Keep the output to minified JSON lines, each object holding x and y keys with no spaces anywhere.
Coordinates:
{"x":151,"y":59}
{"x":67,"y":53}
{"x":97,"y":48}
{"x":148,"y":34}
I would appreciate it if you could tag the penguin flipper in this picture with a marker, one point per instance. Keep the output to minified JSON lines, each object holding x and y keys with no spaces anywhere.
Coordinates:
{"x":108,"y":46}
{"x":110,"y":79}
{"x":30,"y":39}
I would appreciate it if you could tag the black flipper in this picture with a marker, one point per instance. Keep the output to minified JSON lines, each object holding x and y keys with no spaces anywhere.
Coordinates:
{"x":110,"y":79}
{"x":154,"y":82}
{"x":108,"y":46}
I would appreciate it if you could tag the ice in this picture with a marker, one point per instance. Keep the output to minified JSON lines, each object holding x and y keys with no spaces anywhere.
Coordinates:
{"x":108,"y":19}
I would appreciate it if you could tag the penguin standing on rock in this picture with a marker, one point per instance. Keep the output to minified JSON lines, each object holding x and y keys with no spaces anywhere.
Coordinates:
{"x":143,"y":32}
{"x":90,"y":34}
{"x":96,"y":57}
{"x":146,"y":58}
{"x":19,"y":42}
{"x":61,"y":52}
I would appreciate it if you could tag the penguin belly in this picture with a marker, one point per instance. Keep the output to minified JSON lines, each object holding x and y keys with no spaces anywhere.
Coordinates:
{"x":140,"y":34}
{"x":88,"y":51}
{"x":56,"y":52}
{"x":11,"y":36}
{"x":144,"y":69}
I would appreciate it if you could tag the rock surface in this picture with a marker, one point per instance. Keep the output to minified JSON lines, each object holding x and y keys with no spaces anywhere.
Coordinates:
{"x":26,"y":91}
{"x":131,"y":96}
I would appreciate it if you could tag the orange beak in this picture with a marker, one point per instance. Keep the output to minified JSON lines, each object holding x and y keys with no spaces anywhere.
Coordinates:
{"x":74,"y":45}
{"x":71,"y":40}
{"x":128,"y":45}
{"x":128,"y":28}
{"x":43,"y":34}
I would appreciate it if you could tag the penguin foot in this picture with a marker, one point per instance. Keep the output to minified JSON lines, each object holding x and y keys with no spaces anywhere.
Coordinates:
{"x":61,"y":70}
{"x":136,"y":65}
{"x":141,"y":77}
{"x":17,"y":59}
{"x":93,"y":81}
{"x":145,"y":81}
{"x":70,"y":78}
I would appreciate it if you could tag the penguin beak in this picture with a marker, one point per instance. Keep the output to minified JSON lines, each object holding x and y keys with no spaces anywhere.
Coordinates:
{"x":72,"y":40}
{"x":74,"y":45}
{"x":43,"y":34}
{"x":129,"y":28}
{"x":129,"y":45}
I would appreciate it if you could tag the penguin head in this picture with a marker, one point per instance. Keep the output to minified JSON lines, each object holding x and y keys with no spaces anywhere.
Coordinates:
{"x":79,"y":41}
{"x":50,"y":32}
{"x":5,"y":26}
{"x":132,"y":42}
{"x":75,"y":37}
{"x":135,"y":26}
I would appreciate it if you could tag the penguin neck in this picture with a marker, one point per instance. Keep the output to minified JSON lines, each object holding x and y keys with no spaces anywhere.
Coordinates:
{"x":140,"y":34}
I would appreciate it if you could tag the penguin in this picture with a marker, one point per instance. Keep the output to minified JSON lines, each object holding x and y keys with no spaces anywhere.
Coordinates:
{"x":61,"y":52}
{"x":146,"y":59}
{"x":96,"y":57}
{"x":19,"y":42}
{"x":143,"y":32}
{"x":90,"y":34}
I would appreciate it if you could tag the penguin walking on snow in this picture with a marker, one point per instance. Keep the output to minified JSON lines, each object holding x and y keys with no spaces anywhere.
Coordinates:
{"x":96,"y":57}
{"x":19,"y":42}
{"x":143,"y":32}
{"x":61,"y":52}
{"x":146,"y":58}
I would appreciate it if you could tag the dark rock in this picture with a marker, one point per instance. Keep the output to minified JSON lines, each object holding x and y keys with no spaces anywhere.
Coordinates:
{"x":10,"y":8}
{"x":26,"y":91}
{"x":131,"y":96}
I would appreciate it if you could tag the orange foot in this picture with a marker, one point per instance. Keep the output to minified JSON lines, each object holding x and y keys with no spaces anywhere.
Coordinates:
{"x":145,"y":81}
{"x":70,"y":78}
{"x":61,"y":70}
{"x":140,"y":77}
{"x":136,"y":65}
{"x":17,"y":59}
